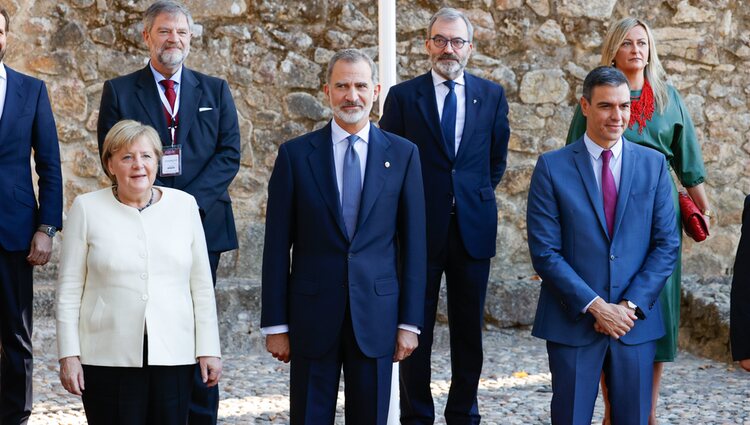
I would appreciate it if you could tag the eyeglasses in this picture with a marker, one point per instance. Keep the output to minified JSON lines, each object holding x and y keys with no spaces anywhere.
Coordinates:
{"x":457,"y":43}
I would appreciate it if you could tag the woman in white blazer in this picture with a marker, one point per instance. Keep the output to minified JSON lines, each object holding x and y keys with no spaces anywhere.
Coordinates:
{"x":135,"y":300}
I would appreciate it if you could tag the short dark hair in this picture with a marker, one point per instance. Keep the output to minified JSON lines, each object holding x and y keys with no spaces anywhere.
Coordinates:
{"x":603,"y":76}
{"x":165,"y":6}
{"x":7,"y":18}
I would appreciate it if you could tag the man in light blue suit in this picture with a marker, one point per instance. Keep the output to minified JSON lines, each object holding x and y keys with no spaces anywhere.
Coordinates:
{"x":603,"y":238}
{"x":347,"y":201}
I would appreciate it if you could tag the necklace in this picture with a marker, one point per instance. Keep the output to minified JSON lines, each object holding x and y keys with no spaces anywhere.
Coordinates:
{"x":150,"y":201}
{"x":642,"y":109}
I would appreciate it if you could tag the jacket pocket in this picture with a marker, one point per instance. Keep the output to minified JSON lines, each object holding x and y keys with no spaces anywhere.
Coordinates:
{"x":304,"y":287}
{"x":486,"y":194}
{"x":96,"y":315}
{"x":24,"y":197}
{"x":386,"y":286}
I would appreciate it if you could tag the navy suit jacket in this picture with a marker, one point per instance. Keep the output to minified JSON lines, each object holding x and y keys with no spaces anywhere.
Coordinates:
{"x":380,"y":273}
{"x":27,"y":123}
{"x":208,"y":132}
{"x":574,"y":255}
{"x":740,"y":300}
{"x":471,"y":176}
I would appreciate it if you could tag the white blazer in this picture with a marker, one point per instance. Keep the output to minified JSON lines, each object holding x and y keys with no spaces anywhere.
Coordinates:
{"x":124,"y":272}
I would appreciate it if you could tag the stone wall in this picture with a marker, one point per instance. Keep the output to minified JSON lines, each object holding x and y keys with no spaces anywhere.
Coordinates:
{"x":273,"y":52}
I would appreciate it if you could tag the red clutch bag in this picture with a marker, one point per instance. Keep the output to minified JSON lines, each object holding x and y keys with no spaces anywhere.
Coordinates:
{"x":692,"y":219}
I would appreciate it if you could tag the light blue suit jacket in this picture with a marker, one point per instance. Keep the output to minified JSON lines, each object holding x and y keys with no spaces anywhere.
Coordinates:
{"x":574,"y":255}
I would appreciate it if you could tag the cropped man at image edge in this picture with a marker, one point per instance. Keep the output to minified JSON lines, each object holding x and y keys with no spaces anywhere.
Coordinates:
{"x":26,"y":229}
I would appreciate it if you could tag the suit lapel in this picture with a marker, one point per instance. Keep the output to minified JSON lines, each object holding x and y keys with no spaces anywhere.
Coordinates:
{"x":324,"y":173}
{"x":146,"y":93}
{"x":427,"y":104}
{"x":14,"y":103}
{"x":375,"y":173}
{"x":627,"y":171}
{"x":473,"y":104}
{"x":190,"y":95}
{"x":583,"y":163}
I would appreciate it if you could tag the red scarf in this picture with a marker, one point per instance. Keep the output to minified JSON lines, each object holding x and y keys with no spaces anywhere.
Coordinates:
{"x":642,"y":109}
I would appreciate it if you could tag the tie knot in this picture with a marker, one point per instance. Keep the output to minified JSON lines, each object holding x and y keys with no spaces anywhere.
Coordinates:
{"x":606,"y":156}
{"x":168,"y":84}
{"x":450,"y":83}
{"x":352,"y":139}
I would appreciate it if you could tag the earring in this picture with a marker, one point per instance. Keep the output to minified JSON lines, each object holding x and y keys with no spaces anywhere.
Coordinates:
{"x":646,"y":62}
{"x":613,"y":63}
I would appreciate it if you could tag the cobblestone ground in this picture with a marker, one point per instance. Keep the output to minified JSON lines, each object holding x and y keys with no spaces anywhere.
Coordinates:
{"x":515,"y":388}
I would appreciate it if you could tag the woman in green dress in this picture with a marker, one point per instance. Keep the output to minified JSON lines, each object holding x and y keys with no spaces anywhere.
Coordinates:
{"x":659,"y":120}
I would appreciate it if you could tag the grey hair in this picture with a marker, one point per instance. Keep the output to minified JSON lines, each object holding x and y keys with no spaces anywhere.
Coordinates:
{"x":352,"y":56}
{"x":165,"y":6}
{"x":450,"y":14}
{"x":603,"y":76}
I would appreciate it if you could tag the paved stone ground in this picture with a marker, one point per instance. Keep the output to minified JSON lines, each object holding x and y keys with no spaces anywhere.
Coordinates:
{"x":515,"y":388}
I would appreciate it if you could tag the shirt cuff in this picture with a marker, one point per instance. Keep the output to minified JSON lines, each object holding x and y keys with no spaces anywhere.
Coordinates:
{"x":410,"y":328}
{"x":585,"y":309}
{"x":274,"y":330}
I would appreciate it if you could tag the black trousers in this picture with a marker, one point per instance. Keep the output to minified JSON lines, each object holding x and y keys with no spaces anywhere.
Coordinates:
{"x":16,"y":361}
{"x":204,"y":402}
{"x":148,"y":395}
{"x":466,"y":285}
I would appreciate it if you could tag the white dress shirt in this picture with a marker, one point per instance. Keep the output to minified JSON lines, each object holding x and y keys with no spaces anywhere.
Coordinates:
{"x":340,"y":144}
{"x":615,"y":165}
{"x":3,"y":87}
{"x":441,"y":91}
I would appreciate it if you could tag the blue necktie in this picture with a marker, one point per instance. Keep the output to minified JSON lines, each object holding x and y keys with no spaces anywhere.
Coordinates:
{"x":448,"y":120}
{"x":351,"y":187}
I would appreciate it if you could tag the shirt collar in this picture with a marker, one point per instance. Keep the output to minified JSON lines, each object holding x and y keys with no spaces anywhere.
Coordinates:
{"x":596,"y":151}
{"x":3,"y":73}
{"x":338,"y":134}
{"x":437,"y":79}
{"x":177,"y":77}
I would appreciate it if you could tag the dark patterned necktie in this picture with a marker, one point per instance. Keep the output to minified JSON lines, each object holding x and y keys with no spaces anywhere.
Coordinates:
{"x":351,"y":187}
{"x":448,"y":120}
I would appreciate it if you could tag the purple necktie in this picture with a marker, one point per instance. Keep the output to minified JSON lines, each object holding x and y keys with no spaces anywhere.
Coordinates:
{"x":609,"y":191}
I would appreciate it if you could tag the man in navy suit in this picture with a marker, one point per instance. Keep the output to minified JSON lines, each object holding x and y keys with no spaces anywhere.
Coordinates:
{"x":347,"y":200}
{"x":460,"y":124}
{"x":603,"y":237}
{"x":196,"y":118}
{"x":26,"y":229}
{"x":739,"y":325}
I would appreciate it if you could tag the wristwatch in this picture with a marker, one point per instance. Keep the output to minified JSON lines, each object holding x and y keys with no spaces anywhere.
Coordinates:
{"x":47,"y":230}
{"x":638,"y":313}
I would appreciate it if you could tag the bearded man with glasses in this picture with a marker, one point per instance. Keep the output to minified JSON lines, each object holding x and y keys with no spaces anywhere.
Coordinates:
{"x":460,"y":124}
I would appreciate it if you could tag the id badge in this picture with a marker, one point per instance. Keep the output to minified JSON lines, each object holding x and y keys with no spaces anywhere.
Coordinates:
{"x":171,"y":161}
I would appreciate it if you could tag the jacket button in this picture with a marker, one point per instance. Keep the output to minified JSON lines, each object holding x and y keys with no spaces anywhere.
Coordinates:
{"x":453,"y":172}
{"x":349,"y":256}
{"x":612,"y":257}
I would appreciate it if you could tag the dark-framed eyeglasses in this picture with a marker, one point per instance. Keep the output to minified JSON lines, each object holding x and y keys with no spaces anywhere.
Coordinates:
{"x":457,"y":43}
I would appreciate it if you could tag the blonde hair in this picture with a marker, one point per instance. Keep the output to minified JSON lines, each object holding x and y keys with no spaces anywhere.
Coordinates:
{"x":653,"y":72}
{"x":123,"y":135}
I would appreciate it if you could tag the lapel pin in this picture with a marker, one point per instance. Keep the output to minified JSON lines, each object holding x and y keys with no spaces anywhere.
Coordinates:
{"x":387,"y":164}
{"x":475,"y":101}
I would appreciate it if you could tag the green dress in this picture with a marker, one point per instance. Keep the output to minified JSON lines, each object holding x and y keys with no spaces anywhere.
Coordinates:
{"x":671,"y":133}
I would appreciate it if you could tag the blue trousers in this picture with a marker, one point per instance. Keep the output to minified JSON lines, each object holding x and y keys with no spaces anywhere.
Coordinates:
{"x":576,"y":371}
